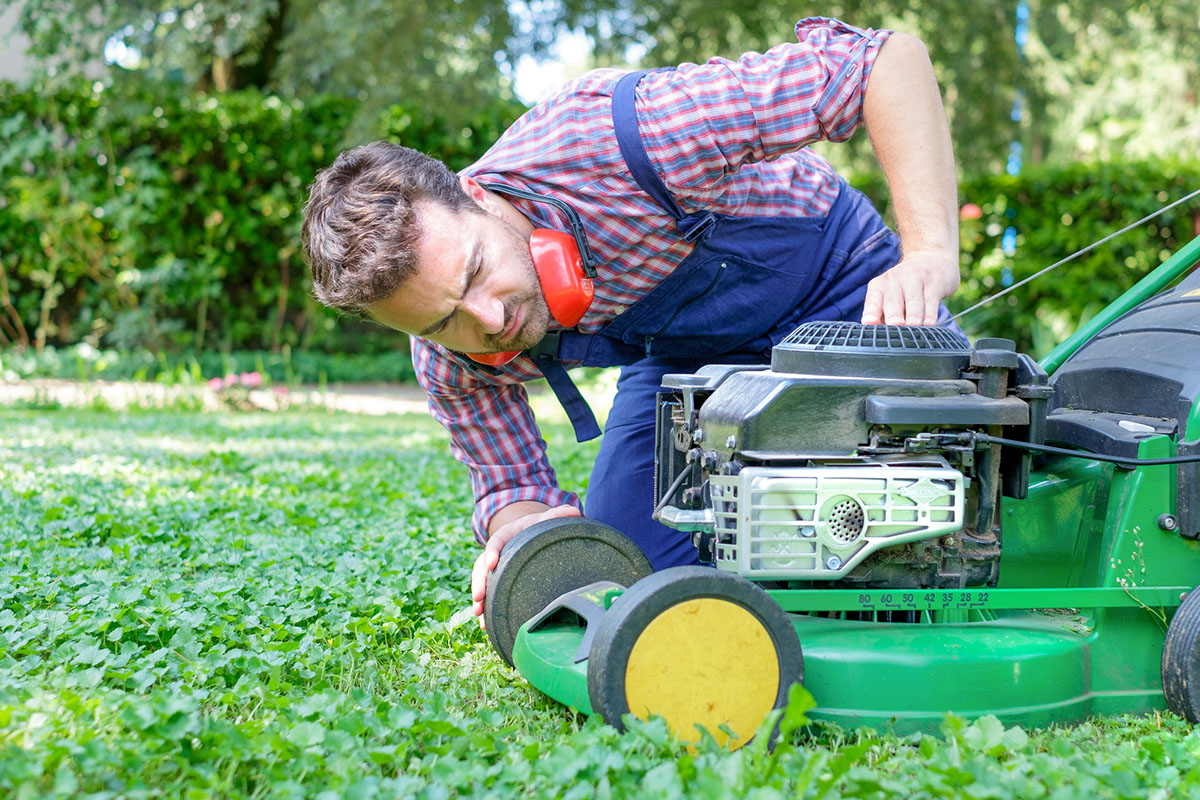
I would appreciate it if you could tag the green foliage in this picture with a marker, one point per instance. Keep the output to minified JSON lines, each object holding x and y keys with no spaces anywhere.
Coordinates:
{"x":457,"y":141}
{"x":241,"y":605}
{"x":1111,"y":80}
{"x":1055,"y":211}
{"x":377,"y":51}
{"x":148,"y":216}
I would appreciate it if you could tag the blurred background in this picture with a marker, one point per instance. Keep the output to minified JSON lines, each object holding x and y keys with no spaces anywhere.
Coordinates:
{"x":154,"y":155}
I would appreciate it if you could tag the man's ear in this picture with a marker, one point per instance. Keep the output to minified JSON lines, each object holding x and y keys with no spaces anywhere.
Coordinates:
{"x":482,"y":197}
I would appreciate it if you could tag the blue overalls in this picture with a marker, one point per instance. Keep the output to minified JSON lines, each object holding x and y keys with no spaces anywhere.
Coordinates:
{"x":747,"y":284}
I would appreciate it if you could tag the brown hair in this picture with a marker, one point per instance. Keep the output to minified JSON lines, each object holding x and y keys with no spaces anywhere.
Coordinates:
{"x":360,"y":225}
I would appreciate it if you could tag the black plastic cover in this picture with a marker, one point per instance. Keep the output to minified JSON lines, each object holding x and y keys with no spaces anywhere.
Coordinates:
{"x":964,"y":410}
{"x":1100,"y":432}
{"x":1147,"y":363}
{"x":851,"y":349}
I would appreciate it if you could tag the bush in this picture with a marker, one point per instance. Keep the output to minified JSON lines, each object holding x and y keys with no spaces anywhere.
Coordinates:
{"x":1053,"y":212}
{"x":457,"y":142}
{"x":143,"y":215}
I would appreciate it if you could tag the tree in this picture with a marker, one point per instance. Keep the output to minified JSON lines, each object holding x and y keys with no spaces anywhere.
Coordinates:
{"x":377,"y":51}
{"x":1095,"y":78}
{"x":1111,"y":81}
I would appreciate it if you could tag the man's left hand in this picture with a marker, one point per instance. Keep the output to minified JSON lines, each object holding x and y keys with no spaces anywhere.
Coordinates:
{"x":910,"y":292}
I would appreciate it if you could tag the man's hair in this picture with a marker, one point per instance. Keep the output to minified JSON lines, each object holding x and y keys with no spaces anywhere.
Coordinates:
{"x":360,"y":225}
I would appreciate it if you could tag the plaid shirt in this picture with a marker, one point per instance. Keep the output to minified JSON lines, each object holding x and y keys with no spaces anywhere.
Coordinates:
{"x":724,"y":136}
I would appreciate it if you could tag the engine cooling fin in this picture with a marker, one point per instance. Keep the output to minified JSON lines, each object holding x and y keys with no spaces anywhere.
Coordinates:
{"x":870,"y":351}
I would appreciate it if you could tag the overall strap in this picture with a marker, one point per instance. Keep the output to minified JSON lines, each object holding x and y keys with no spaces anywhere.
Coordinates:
{"x":571,"y":345}
{"x":578,"y":411}
{"x":633,"y":150}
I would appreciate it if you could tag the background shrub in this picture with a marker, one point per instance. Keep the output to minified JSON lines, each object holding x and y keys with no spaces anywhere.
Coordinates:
{"x":142,"y":216}
{"x":145,"y":216}
{"x":1054,"y":211}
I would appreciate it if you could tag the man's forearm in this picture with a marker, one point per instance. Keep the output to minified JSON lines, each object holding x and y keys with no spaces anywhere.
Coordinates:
{"x":904,"y":116}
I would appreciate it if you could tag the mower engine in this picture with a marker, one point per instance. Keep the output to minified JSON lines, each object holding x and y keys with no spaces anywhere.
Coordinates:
{"x":852,"y":460}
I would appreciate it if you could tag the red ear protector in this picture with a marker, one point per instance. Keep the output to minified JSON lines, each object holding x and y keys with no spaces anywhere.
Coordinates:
{"x":565,"y":268}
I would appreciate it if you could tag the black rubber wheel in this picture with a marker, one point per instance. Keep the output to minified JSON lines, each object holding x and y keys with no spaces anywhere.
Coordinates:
{"x":697,"y":647}
{"x":1181,"y":660}
{"x":547,"y":560}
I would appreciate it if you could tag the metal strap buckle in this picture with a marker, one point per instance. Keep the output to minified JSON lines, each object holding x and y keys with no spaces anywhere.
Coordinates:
{"x":699,"y":229}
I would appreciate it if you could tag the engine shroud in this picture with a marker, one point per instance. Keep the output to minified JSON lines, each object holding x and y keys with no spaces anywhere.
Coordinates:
{"x":839,"y":464}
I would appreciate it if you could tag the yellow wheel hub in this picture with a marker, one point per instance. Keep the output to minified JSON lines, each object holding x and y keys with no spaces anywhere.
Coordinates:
{"x":706,"y":662}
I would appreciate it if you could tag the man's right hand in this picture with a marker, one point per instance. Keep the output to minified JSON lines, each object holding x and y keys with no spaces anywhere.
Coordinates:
{"x":501,"y":536}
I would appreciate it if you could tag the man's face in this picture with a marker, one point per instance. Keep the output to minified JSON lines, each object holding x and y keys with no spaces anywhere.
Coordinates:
{"x":475,"y":289}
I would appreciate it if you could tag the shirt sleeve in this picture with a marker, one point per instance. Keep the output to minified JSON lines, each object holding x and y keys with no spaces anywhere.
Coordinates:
{"x":702,"y":122}
{"x":492,"y":431}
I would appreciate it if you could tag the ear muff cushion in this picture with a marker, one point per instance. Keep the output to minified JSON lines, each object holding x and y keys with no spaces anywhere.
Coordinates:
{"x":560,"y":271}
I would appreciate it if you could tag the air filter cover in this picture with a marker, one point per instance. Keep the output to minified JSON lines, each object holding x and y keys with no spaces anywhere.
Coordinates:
{"x":850,"y":349}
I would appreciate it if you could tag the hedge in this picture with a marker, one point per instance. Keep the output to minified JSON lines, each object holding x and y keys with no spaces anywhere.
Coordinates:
{"x":1054,"y":211}
{"x":142,"y":216}
{"x":84,"y":363}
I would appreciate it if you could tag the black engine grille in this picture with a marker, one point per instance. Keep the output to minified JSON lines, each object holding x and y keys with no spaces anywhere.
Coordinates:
{"x":855,"y":337}
{"x":872,"y":351}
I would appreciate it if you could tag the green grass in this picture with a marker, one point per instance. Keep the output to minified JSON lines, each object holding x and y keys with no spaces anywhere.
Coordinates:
{"x":255,"y":605}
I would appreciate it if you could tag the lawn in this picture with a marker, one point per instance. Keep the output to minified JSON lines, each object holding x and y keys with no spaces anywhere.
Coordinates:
{"x":269,"y":605}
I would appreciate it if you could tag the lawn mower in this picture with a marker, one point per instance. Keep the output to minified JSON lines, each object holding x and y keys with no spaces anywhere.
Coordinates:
{"x":905,"y":524}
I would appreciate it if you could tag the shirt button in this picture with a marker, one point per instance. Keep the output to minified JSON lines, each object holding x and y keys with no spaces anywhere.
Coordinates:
{"x":619,"y":310}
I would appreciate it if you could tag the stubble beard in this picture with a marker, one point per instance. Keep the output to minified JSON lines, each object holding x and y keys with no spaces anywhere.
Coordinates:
{"x":532,"y":303}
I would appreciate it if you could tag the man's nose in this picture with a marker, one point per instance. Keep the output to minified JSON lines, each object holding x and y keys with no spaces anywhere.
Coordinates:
{"x":487,"y":310}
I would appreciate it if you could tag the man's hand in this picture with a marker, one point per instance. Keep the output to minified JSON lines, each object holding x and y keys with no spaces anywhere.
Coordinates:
{"x":910,"y":292}
{"x":496,"y":540}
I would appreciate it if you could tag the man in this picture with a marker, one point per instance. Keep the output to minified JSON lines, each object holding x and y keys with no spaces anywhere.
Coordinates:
{"x":714,"y":231}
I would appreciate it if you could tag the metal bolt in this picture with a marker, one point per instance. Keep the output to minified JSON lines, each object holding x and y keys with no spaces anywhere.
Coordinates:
{"x":833,"y":562}
{"x":731,"y":442}
{"x":698,"y":435}
{"x":1168,"y":522}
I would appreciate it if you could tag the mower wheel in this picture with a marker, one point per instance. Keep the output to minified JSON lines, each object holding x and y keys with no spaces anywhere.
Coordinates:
{"x":547,"y":560}
{"x":1181,"y":659}
{"x":697,"y":647}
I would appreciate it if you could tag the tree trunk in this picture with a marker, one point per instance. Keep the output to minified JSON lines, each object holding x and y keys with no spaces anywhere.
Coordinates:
{"x":222,"y":74}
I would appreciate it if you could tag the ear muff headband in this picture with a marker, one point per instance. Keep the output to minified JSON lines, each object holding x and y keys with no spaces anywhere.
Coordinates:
{"x":587,"y":260}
